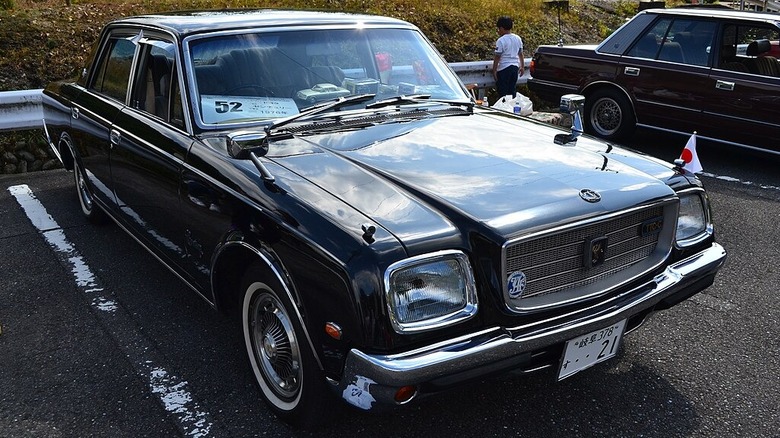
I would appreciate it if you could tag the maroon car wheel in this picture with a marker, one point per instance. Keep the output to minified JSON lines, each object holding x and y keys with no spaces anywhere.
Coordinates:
{"x":609,"y":115}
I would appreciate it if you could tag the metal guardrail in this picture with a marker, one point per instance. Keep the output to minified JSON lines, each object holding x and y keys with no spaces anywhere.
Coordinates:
{"x":481,"y":74}
{"x":22,"y":109}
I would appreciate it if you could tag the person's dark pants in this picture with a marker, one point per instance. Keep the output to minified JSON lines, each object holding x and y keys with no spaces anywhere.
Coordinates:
{"x":506,"y":82}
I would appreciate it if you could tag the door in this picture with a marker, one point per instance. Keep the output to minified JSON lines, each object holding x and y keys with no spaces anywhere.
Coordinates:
{"x":148,"y":147}
{"x":667,"y":70}
{"x":95,"y":110}
{"x":746,"y":97}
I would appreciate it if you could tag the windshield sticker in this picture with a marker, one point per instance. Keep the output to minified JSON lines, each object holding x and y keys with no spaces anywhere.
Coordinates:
{"x":225,"y":109}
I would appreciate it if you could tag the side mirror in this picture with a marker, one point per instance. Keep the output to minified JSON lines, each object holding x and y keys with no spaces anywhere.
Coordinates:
{"x":241,"y":144}
{"x":251,"y":145}
{"x":572,"y":104}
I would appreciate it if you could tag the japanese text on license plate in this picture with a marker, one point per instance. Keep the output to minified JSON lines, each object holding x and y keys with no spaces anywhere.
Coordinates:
{"x":587,"y":350}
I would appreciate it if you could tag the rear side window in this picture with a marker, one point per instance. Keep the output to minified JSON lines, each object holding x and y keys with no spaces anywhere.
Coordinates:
{"x":113,"y":73}
{"x":750,"y":48}
{"x":618,"y":42}
{"x":682,"y":41}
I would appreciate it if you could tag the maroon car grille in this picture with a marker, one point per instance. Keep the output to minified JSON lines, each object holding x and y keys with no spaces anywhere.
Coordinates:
{"x":556,"y":267}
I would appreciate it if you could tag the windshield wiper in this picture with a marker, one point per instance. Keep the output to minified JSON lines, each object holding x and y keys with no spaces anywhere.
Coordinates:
{"x":320,"y":108}
{"x":413,"y":99}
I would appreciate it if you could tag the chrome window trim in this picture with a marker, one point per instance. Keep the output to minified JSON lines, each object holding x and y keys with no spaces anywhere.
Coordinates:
{"x":463,"y":314}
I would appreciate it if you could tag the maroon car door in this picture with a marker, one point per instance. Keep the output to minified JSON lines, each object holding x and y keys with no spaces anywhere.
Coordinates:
{"x":746,"y":97}
{"x":667,"y":72}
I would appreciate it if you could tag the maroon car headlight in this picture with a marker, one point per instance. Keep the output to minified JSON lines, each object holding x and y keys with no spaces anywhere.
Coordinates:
{"x":430,"y":291}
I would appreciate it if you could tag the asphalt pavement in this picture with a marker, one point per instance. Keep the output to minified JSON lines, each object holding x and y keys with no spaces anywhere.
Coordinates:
{"x":98,"y":339}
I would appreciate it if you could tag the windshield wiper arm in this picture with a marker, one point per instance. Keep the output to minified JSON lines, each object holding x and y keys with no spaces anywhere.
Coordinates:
{"x":412,"y":98}
{"x":320,"y":108}
{"x":416,"y":98}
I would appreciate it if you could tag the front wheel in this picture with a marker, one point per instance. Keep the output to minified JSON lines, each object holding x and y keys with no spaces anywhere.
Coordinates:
{"x":284,"y":366}
{"x":86,"y":201}
{"x":609,"y":115}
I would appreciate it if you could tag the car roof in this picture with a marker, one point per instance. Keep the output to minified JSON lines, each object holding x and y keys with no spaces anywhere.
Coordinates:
{"x":718,"y":13}
{"x":191,"y":22}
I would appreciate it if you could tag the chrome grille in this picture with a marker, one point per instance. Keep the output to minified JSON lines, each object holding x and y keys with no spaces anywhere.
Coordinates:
{"x":554,"y":266}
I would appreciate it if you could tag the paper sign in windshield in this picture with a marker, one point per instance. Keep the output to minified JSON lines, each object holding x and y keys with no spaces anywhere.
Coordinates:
{"x":235,"y":109}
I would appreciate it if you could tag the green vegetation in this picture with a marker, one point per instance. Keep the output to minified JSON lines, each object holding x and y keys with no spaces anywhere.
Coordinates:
{"x":46,"y":40}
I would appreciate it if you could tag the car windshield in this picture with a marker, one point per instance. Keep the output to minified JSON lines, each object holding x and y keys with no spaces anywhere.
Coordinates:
{"x":250,"y":77}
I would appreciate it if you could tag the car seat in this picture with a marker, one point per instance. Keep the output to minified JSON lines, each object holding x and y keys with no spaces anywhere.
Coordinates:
{"x":762,"y":64}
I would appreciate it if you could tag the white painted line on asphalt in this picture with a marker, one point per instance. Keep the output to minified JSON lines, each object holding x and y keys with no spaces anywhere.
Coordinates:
{"x":739,"y":181}
{"x":171,"y":390}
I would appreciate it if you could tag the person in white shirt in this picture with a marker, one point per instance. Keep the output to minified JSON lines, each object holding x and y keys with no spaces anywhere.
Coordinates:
{"x":508,"y":61}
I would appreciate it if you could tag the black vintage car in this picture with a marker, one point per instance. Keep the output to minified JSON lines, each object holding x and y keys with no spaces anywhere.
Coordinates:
{"x":714,"y":71}
{"x":388,"y":240}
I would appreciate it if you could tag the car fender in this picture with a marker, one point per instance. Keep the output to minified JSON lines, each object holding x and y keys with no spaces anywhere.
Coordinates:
{"x":273,"y":267}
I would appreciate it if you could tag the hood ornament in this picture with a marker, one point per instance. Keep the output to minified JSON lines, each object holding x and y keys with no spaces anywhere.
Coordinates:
{"x":589,"y":195}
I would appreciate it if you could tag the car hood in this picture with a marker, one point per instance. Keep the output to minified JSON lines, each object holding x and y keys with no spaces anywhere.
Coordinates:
{"x":485,"y":172}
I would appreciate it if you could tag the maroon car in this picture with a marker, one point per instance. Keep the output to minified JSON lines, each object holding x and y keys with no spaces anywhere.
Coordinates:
{"x":680,"y":70}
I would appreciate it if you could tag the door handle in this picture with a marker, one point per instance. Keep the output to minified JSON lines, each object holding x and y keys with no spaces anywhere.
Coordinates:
{"x":631,"y":71}
{"x":724,"y":85}
{"x":115,"y":137}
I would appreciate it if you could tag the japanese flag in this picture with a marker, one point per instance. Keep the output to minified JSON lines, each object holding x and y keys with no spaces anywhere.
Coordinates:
{"x":688,"y":155}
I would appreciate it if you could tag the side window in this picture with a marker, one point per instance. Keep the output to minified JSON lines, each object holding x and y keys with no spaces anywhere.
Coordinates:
{"x":750,"y":49}
{"x":648,"y":45}
{"x":682,"y":41}
{"x":694,"y":39}
{"x":114,"y":71}
{"x":155,"y":78}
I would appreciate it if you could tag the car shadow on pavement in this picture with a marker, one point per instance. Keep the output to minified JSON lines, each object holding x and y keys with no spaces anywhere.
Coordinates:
{"x":616,"y":399}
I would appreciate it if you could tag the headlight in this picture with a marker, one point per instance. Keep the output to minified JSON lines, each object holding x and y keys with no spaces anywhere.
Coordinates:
{"x":692,"y":219}
{"x":430,"y":291}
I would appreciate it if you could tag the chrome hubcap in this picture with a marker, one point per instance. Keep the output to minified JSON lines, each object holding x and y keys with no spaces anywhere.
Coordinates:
{"x":86,"y":198}
{"x":269,"y":347}
{"x":275,"y":346}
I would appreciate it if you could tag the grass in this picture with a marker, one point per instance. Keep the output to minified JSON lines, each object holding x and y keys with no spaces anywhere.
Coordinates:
{"x":462,"y":30}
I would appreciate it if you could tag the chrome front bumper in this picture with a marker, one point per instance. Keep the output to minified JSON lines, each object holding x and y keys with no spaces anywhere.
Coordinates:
{"x":370,"y":379}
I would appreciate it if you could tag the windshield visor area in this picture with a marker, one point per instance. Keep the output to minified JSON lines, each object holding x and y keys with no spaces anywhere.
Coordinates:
{"x":250,"y":77}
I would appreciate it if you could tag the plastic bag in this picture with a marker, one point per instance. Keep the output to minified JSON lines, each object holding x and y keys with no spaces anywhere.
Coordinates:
{"x":508,"y":103}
